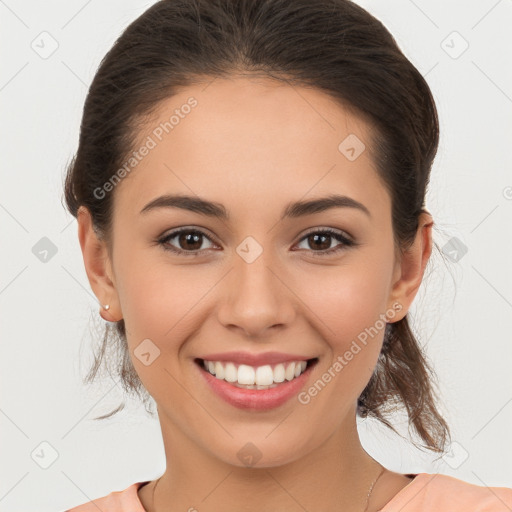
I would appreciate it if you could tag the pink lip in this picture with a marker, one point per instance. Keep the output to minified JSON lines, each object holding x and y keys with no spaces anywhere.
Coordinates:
{"x":256,"y":399}
{"x":255,"y":359}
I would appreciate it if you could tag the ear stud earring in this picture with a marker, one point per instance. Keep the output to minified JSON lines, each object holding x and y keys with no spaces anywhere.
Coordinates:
{"x":106,"y":306}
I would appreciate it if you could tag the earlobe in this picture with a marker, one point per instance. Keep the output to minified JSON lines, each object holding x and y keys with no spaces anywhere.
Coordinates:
{"x":97,"y":265}
{"x":412,"y":266}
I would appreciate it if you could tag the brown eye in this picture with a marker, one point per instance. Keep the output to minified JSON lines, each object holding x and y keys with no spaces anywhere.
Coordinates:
{"x":188,"y":242}
{"x":320,"y":241}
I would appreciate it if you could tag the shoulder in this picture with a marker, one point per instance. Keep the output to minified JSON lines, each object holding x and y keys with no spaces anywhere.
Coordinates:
{"x":435,"y":492}
{"x":126,"y":500}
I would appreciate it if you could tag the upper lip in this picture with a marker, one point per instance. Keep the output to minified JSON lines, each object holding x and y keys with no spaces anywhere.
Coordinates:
{"x":251,"y":359}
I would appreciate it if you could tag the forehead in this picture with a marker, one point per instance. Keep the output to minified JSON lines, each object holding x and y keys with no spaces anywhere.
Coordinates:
{"x":251,"y":142}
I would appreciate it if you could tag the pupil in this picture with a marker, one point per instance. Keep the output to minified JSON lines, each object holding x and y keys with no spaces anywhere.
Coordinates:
{"x":189,"y":238}
{"x":325,"y":237}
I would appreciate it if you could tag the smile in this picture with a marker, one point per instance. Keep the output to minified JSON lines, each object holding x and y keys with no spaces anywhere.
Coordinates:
{"x":255,"y":387}
{"x":250,"y":377}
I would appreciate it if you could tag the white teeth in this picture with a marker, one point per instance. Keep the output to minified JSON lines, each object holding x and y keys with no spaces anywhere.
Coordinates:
{"x":290,"y":371}
{"x":230,"y":372}
{"x":279,"y":373}
{"x":246,"y":374}
{"x":219,"y":370}
{"x":264,"y":375}
{"x":261,"y":377}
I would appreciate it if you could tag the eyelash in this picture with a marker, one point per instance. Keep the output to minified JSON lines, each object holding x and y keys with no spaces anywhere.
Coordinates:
{"x":345,"y":242}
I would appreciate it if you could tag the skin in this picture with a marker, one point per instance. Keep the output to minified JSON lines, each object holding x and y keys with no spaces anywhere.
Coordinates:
{"x":254,"y":146}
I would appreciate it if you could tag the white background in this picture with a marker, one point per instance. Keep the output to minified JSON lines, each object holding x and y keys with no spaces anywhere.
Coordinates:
{"x":463,"y":313}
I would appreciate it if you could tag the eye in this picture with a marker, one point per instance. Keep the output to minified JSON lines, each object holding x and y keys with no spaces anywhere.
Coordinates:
{"x":322,"y":239}
{"x":189,"y":241}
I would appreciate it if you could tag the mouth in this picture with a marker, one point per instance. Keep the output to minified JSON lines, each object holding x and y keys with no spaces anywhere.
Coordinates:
{"x":256,"y":387}
{"x":256,"y":377}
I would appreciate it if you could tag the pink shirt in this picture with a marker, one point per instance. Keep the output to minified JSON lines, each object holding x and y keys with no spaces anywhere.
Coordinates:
{"x":425,"y":493}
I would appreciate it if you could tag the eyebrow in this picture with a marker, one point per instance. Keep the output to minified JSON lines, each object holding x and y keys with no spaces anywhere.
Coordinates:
{"x":217,"y":210}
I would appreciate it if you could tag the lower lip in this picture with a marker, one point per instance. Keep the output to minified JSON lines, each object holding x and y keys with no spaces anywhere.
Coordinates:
{"x":256,"y":399}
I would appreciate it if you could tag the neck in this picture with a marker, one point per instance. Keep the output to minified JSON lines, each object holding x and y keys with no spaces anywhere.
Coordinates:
{"x":194,"y":479}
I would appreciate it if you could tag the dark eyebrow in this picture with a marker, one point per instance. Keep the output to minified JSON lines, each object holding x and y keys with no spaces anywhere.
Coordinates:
{"x":217,"y":210}
{"x":321,"y":204}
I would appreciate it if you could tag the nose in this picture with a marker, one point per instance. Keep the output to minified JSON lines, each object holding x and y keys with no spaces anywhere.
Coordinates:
{"x":256,"y":299}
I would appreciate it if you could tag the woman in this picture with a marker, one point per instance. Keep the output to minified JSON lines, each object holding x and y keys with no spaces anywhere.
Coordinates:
{"x":250,"y":193}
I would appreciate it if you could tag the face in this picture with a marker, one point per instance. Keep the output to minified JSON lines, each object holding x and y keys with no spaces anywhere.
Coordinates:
{"x":263,"y":285}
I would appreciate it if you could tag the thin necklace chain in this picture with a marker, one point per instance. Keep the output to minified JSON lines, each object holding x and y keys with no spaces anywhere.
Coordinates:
{"x":365,"y":508}
{"x":371,"y":488}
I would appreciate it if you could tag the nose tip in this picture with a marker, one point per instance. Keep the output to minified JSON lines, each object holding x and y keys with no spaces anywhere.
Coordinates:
{"x":256,"y":300}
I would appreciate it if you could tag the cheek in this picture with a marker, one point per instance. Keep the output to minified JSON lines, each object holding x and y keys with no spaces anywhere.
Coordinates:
{"x":348,"y":304}
{"x":349,"y":298}
{"x":161,"y":301}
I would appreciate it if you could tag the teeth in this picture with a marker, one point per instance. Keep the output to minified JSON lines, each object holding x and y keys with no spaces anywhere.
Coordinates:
{"x":219,"y":371}
{"x":246,"y":374}
{"x":230,"y":372}
{"x":290,"y":371}
{"x":264,"y":375}
{"x":261,"y":377}
{"x":279,"y":373}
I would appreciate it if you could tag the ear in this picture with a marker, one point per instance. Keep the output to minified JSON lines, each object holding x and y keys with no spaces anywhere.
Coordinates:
{"x":409,"y":271}
{"x":98,"y":266}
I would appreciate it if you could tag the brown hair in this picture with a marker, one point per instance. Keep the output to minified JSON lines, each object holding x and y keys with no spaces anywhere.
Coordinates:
{"x":334,"y":46}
